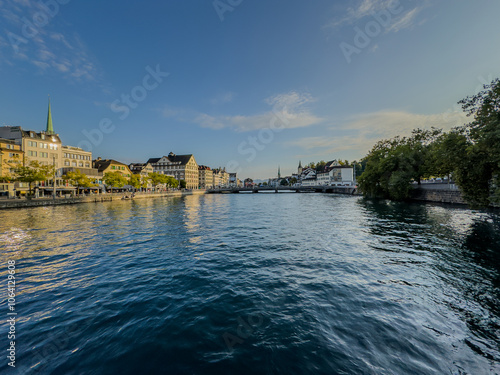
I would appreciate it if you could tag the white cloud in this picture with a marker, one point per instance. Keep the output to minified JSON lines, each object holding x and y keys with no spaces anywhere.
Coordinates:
{"x":400,"y":16}
{"x":288,"y":110}
{"x":49,"y":51}
{"x":224,"y":98}
{"x":406,"y":21}
{"x":359,"y":133}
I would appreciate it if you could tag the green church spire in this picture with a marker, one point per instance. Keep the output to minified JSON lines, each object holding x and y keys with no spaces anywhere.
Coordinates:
{"x":50,"y":128}
{"x":279,"y":172}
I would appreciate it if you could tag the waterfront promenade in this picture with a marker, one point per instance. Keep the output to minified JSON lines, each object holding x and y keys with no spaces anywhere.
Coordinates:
{"x":96,"y":198}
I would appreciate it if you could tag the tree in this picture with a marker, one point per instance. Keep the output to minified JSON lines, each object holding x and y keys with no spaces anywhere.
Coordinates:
{"x":393,"y":164}
{"x":320,"y":166}
{"x":264,"y":183}
{"x":182,"y":184}
{"x":478,"y":174}
{"x":284,"y":182}
{"x":33,"y":171}
{"x":172,"y":182}
{"x":157,"y":178}
{"x":135,"y":181}
{"x":78,"y":179}
{"x":114,"y":179}
{"x":293,"y":181}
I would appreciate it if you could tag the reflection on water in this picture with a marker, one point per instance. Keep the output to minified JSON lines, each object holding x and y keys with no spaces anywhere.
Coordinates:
{"x":337,"y":284}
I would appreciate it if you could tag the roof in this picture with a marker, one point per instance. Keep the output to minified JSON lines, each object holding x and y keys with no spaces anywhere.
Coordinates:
{"x":183,"y":159}
{"x":101,"y":165}
{"x":173,"y":158}
{"x":153,"y":160}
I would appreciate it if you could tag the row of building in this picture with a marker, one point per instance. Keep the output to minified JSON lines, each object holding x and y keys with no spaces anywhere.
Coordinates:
{"x":18,"y":146}
{"x":333,"y":173}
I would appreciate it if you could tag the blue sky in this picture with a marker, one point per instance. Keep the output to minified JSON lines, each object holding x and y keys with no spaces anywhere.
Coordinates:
{"x":247,"y":85}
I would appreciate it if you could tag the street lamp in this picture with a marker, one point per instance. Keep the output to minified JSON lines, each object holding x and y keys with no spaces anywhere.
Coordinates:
{"x":54,"y":178}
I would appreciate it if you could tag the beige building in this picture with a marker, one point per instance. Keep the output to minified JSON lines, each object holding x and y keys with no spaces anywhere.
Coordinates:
{"x":42,"y":146}
{"x":221,"y":178}
{"x":76,"y":157}
{"x":11,"y":156}
{"x":143,"y":170}
{"x":206,"y":177}
{"x":109,"y":165}
{"x":182,"y":167}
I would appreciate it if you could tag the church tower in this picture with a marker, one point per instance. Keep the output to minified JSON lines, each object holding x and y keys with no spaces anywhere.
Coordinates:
{"x":50,"y":128}
{"x":299,"y":169}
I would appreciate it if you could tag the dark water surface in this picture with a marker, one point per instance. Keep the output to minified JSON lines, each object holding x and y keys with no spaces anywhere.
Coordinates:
{"x":253,"y":284}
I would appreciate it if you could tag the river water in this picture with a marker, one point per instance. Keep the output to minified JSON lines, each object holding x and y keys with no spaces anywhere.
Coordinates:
{"x":252,"y":284}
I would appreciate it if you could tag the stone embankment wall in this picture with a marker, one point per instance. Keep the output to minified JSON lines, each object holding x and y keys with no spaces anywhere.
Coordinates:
{"x":22,"y":203}
{"x":440,"y":196}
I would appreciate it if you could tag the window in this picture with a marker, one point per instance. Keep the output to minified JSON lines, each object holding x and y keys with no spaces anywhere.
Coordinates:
{"x":44,"y":155}
{"x":42,"y":136}
{"x":32,"y":143}
{"x":66,"y":162}
{"x":87,"y":165}
{"x":73,"y":163}
{"x":80,"y":164}
{"x":32,"y":153}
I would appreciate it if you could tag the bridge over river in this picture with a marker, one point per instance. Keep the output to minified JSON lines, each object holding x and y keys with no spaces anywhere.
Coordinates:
{"x":351,"y":190}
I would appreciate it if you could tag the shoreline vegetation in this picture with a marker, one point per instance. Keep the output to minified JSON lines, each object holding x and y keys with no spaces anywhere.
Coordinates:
{"x":469,"y":154}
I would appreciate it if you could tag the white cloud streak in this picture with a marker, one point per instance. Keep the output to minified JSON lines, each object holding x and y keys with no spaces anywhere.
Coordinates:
{"x":404,"y":19}
{"x":46,"y":49}
{"x":290,"y":108}
{"x":359,"y":133}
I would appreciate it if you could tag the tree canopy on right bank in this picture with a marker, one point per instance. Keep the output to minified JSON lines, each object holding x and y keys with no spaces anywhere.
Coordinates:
{"x":470,"y":153}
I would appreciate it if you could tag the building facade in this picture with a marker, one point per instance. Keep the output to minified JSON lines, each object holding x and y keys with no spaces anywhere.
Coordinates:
{"x":109,"y":165}
{"x":182,"y":167}
{"x":205,"y":177}
{"x":76,"y":157}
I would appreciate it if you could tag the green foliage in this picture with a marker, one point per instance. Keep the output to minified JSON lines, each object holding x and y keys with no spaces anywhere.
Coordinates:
{"x":135,"y":181}
{"x":33,"y":171}
{"x":78,"y":179}
{"x":471,"y":154}
{"x":158,"y":179}
{"x":479,"y":185}
{"x":283,"y":182}
{"x":114,"y":179}
{"x":182,"y":184}
{"x":393,"y":164}
{"x":320,"y":166}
